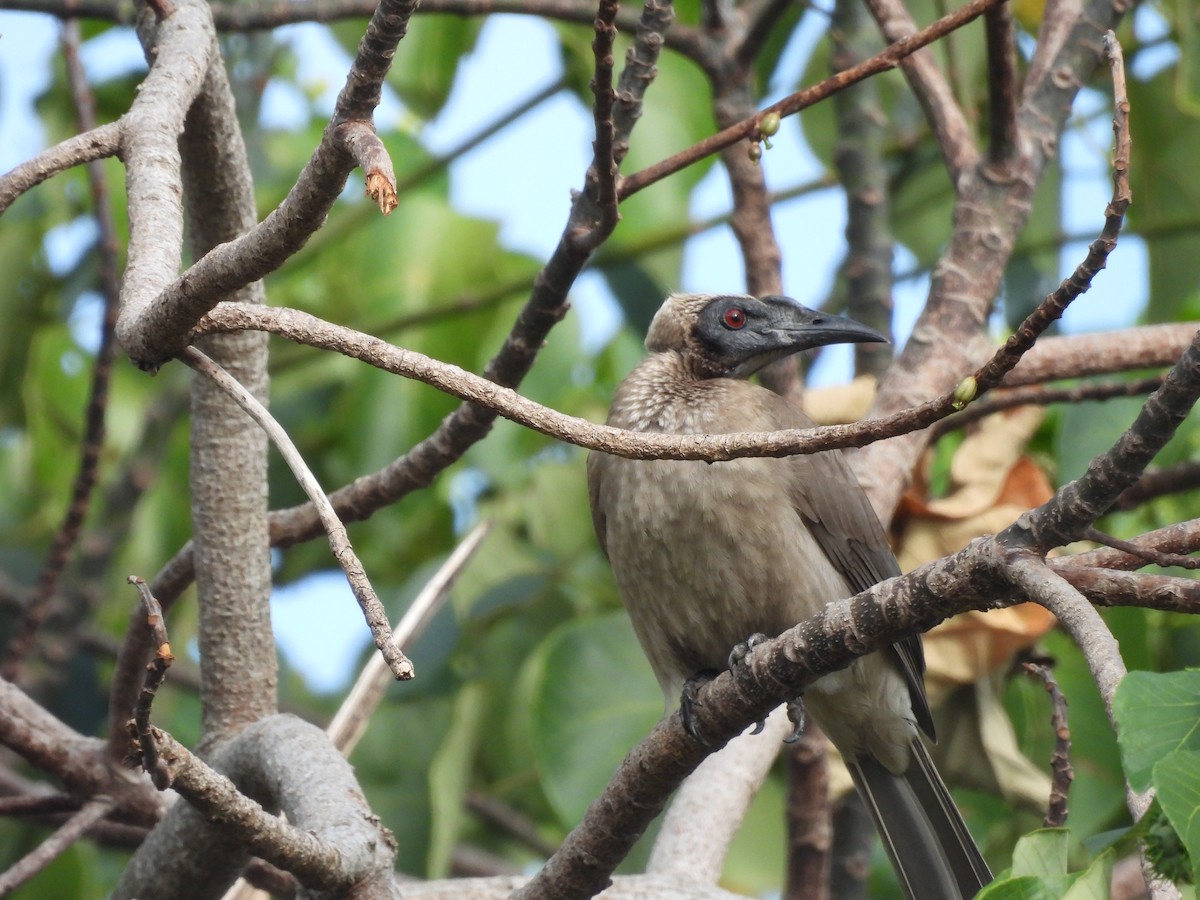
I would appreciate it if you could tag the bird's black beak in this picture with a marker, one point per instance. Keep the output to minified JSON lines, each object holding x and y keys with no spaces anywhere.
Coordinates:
{"x":799,"y":328}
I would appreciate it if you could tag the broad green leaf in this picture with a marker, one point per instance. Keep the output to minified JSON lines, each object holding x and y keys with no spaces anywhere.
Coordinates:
{"x":594,"y":699}
{"x":1095,"y":882}
{"x":1024,"y":887}
{"x":1157,"y":714}
{"x":1042,"y":853}
{"x":1177,"y":781}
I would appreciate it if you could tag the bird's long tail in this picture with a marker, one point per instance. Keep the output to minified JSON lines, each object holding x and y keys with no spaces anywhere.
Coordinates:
{"x":924,"y":834}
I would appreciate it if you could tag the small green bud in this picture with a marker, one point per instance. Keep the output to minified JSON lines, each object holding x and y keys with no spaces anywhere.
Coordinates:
{"x":768,"y":125}
{"x":965,"y":392}
{"x":755,"y":152}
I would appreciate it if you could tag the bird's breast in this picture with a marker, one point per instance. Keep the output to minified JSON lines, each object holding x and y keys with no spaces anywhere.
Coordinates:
{"x":706,"y":555}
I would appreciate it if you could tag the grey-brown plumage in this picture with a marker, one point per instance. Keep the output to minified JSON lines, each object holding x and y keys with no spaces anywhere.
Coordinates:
{"x":706,"y":555}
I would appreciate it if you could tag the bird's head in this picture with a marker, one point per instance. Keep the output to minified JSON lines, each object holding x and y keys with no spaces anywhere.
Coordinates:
{"x":735,"y":335}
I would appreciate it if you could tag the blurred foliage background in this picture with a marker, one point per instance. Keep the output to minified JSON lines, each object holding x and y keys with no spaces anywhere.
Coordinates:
{"x":531,"y":687}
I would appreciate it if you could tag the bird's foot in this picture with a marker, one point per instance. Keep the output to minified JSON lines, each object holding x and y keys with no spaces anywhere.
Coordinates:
{"x":741,"y":652}
{"x":738,"y":655}
{"x":798,"y":717}
{"x":687,"y":704}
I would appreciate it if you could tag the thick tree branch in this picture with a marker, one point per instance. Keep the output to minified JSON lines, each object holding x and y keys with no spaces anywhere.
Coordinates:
{"x":949,"y":337}
{"x":1113,"y":587}
{"x":1103,"y":353}
{"x":169,"y":312}
{"x":331,"y":841}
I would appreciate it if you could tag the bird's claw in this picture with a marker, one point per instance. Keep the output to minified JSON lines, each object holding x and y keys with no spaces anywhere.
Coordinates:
{"x":687,"y":705}
{"x":741,"y":652}
{"x":798,"y":717}
{"x":738,"y":655}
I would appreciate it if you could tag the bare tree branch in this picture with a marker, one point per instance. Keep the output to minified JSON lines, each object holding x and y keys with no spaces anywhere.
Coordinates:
{"x":98,"y":143}
{"x":169,"y":312}
{"x":353,"y":716}
{"x":339,"y":542}
{"x":150,"y":131}
{"x":330,"y":842}
{"x":1002,"y":84}
{"x":1060,"y":759}
{"x":900,"y":49}
{"x":931,"y":89}
{"x":51,"y":848}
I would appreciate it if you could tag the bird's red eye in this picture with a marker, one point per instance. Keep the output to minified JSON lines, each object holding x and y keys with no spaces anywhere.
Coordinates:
{"x":734,"y":317}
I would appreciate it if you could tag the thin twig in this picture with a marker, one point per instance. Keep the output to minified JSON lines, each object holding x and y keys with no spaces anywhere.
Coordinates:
{"x":358,"y":138}
{"x":156,"y":672}
{"x":1033,"y":578}
{"x":1182,"y":537}
{"x":50,"y":849}
{"x":1039,"y":395}
{"x":881,"y":62}
{"x":601,"y":179}
{"x":1060,"y":759}
{"x":1149,"y":554}
{"x":511,"y":821}
{"x":98,"y":143}
{"x":339,"y":541}
{"x":353,"y":716}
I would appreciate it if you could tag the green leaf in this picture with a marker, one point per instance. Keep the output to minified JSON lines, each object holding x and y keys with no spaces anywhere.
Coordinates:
{"x":1041,"y":853}
{"x":1156,"y":715}
{"x":594,"y":699}
{"x":450,"y":776}
{"x":1025,"y":887}
{"x":1177,"y":781}
{"x":1095,"y":882}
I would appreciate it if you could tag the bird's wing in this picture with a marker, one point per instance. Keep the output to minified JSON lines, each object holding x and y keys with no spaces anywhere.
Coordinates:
{"x":836,"y":511}
{"x":595,"y":467}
